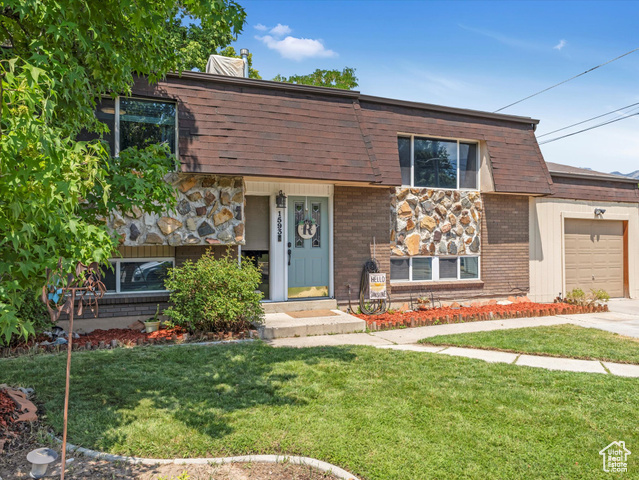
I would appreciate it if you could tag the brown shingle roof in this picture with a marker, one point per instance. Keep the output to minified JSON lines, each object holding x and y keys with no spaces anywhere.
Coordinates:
{"x":239,"y":126}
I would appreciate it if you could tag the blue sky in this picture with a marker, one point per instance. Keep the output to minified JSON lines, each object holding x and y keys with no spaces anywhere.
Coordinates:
{"x":471,"y":54}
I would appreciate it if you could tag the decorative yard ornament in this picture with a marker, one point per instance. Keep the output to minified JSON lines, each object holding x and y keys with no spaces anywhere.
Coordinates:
{"x":59,"y":294}
{"x":307,"y":228}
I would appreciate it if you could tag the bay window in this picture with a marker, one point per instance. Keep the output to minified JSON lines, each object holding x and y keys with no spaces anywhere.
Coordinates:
{"x":438,"y":163}
{"x":416,"y":269}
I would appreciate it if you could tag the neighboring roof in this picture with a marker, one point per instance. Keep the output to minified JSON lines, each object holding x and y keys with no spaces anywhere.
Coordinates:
{"x":239,"y":126}
{"x":557,"y":169}
{"x":583,"y":184}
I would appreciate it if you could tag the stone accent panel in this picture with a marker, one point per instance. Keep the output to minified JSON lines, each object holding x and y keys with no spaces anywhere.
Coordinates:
{"x":360,"y":213}
{"x":433,"y":222}
{"x":209,"y":211}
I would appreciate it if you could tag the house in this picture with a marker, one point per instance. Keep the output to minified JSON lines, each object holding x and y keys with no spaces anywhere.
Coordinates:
{"x":445,"y":198}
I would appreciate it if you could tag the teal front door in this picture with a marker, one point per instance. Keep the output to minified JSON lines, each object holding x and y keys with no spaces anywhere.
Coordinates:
{"x":308,"y":257}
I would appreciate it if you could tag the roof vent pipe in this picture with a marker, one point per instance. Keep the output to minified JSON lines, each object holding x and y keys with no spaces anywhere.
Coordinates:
{"x":244,"y":53}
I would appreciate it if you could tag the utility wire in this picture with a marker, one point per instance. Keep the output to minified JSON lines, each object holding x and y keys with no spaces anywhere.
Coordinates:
{"x":565,"y":81}
{"x":589,"y":128}
{"x":589,"y":120}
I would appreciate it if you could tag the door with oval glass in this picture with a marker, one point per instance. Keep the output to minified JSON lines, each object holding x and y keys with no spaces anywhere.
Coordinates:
{"x":308,"y":247}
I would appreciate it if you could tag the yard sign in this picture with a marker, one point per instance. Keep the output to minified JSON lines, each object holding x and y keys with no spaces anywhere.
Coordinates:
{"x":377,"y":286}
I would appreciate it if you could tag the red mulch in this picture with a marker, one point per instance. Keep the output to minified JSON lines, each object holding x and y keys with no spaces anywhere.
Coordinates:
{"x":436,"y":316}
{"x":128,"y":336}
{"x":7,"y":411}
{"x":124,"y":337}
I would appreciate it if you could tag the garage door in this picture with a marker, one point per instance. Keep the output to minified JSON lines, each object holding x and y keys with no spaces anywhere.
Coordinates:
{"x":594,"y":255}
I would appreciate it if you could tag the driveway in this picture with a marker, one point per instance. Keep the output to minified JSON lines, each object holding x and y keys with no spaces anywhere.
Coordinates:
{"x":623,"y":318}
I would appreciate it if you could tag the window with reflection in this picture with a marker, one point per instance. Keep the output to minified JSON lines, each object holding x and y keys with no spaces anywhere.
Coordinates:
{"x":438,"y":163}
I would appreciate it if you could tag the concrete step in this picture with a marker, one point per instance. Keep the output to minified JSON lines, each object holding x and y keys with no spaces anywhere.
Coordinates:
{"x":299,"y":305}
{"x":281,"y":325}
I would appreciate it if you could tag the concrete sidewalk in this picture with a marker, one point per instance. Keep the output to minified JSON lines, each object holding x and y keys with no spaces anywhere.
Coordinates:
{"x":406,"y":339}
{"x":536,"y":361}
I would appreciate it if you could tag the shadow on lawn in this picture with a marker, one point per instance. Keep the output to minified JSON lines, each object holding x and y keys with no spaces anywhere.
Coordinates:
{"x":198,"y":386}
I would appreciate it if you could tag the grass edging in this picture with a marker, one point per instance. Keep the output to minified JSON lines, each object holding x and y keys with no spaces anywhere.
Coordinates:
{"x":294,"y":459}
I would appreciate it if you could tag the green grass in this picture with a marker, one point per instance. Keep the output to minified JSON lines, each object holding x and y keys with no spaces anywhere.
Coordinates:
{"x":557,"y":340}
{"x":380,"y":414}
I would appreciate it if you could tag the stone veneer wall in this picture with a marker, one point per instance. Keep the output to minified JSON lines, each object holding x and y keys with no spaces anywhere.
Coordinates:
{"x":433,"y":222}
{"x":210,"y":211}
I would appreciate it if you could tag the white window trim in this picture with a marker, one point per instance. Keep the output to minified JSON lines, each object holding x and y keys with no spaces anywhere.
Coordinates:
{"x":450,"y":139}
{"x":118,"y":261}
{"x":116,"y":123}
{"x":435,"y":270}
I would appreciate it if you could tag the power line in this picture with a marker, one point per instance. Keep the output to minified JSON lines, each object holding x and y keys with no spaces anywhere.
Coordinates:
{"x":588,"y":120}
{"x":566,"y":81}
{"x":589,"y":128}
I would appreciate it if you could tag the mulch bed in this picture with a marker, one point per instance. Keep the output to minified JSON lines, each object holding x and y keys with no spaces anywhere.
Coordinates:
{"x":122,"y":337}
{"x":14,"y":466}
{"x":459,"y":314}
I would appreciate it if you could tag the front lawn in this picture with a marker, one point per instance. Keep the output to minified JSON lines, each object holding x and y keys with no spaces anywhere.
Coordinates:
{"x":557,"y":340}
{"x":380,"y":414}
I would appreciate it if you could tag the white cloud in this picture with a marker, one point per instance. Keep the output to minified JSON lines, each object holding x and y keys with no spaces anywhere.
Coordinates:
{"x":295,"y":48}
{"x":560,"y":45}
{"x":280,"y":30}
{"x":260,"y":27}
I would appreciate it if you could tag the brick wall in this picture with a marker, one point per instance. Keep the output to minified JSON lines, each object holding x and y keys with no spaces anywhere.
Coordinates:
{"x":505,"y":245}
{"x":360,"y":213}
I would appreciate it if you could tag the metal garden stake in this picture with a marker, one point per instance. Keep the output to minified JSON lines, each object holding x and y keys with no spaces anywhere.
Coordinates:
{"x":59,"y":294}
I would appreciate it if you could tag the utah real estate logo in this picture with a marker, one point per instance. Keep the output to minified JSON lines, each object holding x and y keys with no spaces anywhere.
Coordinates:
{"x":615,"y":457}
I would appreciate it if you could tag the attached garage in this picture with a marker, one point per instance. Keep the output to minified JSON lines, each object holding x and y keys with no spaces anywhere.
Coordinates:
{"x":594,"y":255}
{"x":584,"y":235}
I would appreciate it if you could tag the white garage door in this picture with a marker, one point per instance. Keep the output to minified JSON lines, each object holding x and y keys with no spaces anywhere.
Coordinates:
{"x":594,"y":255}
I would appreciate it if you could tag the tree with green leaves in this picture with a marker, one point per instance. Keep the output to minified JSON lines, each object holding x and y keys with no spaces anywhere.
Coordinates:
{"x":345,"y":79}
{"x":56,"y":60}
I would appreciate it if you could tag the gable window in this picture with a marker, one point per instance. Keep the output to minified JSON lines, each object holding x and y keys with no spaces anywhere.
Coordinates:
{"x":135,"y":122}
{"x":418,"y":269}
{"x":438,"y":163}
{"x":136,"y":275}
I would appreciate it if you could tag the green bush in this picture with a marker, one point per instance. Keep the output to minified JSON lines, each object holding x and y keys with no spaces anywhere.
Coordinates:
{"x":30,"y":318}
{"x":214,"y":295}
{"x":578,"y":297}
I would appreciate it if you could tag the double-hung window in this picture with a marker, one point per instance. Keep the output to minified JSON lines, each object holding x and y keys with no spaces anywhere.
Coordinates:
{"x":136,"y":275}
{"x":415,"y":269}
{"x":135,"y":122}
{"x":438,"y":163}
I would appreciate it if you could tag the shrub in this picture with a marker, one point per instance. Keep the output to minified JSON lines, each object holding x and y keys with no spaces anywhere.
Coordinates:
{"x":578,"y":297}
{"x":214,"y":295}
{"x":30,"y":318}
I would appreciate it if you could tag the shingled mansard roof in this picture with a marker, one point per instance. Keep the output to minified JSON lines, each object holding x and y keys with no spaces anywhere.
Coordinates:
{"x":240,"y":126}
